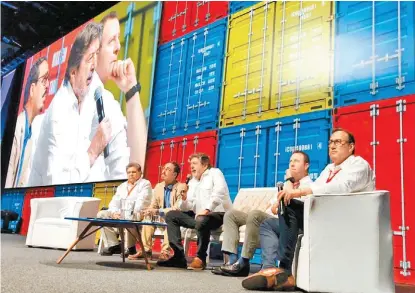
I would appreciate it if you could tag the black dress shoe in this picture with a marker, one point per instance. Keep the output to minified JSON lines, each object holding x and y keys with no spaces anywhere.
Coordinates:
{"x":116,"y":249}
{"x":218,"y":271}
{"x":173,"y":262}
{"x":236,"y":270}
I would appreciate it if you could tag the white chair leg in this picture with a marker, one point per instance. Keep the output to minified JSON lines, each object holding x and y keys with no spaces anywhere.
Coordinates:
{"x":101,"y":239}
{"x":208,"y":253}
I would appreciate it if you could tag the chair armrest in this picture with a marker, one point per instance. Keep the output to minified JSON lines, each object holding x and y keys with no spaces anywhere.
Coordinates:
{"x":86,"y":208}
{"x":344,"y":228}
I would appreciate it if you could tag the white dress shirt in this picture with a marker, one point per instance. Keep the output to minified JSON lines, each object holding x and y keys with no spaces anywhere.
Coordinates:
{"x":112,"y":167}
{"x":210,"y":192}
{"x":141,"y":193}
{"x":304,"y":182}
{"x":61,"y":154}
{"x":353,"y":175}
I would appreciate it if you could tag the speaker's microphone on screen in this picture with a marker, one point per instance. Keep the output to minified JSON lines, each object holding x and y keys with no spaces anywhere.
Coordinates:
{"x":100,"y":111}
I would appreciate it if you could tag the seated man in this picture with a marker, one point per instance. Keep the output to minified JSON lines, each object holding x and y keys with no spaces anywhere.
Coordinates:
{"x":202,"y":209}
{"x":347,"y":174}
{"x":234,"y":219}
{"x":135,"y":189}
{"x":164,"y":199}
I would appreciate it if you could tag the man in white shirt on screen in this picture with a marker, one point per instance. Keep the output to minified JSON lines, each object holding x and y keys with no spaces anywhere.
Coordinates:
{"x":25,"y":133}
{"x":65,"y":152}
{"x":135,"y":189}
{"x":347,"y":174}
{"x":131,"y":133}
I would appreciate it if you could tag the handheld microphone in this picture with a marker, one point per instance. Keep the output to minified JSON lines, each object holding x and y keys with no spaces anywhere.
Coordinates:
{"x":188,"y":178}
{"x":100,"y":111}
{"x":280,"y":186}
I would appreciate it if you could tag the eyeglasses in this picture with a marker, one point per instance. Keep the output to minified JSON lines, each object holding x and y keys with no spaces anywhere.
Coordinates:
{"x":337,"y":142}
{"x":44,"y":79}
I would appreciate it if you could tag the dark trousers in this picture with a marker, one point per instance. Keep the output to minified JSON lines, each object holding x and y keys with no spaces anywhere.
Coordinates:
{"x":269,"y":232}
{"x":290,"y":223}
{"x":202,"y":224}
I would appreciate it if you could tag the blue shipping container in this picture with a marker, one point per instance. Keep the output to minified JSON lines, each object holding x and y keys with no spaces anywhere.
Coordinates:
{"x":374,"y":51}
{"x":83,"y":190}
{"x":235,"y":6}
{"x":189,"y":83}
{"x":250,"y":155}
{"x":12,"y":200}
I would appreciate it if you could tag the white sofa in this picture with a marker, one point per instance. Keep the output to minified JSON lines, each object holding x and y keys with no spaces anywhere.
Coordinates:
{"x":347,"y":244}
{"x":48,"y":228}
{"x":247,"y":199}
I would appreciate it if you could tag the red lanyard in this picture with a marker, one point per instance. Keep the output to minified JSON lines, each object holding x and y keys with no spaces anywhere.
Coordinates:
{"x":332,"y":176}
{"x":129,"y":191}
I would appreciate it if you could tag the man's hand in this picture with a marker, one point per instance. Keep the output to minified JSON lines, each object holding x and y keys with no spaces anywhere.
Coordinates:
{"x":274,"y":209}
{"x":203,"y":213}
{"x":288,"y":195}
{"x":115,"y":215}
{"x":100,"y":140}
{"x":150,"y":211}
{"x":124,"y":75}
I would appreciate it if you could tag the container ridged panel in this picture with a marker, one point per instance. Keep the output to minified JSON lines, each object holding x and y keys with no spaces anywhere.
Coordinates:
{"x":374,"y":51}
{"x":280,"y":62}
{"x":377,"y":127}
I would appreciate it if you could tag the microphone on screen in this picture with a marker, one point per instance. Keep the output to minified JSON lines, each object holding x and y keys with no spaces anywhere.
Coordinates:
{"x":100,"y":111}
{"x":280,"y":186}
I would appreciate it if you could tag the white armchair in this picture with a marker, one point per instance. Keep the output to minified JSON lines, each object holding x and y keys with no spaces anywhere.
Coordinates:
{"x":347,"y":244}
{"x":48,"y":228}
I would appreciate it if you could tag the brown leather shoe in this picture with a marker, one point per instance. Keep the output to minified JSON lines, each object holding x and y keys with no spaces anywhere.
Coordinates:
{"x":140,"y":255}
{"x":197,"y":265}
{"x":164,"y":255}
{"x":270,"y":279}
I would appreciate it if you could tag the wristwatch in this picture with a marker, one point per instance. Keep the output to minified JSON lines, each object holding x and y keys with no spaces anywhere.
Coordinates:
{"x":136,"y":88}
{"x":291,"y":179}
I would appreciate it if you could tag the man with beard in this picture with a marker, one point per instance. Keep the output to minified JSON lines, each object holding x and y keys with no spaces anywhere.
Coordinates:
{"x":65,"y":151}
{"x":34,"y":97}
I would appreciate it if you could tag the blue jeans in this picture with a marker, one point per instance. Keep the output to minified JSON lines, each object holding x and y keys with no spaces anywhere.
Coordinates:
{"x":269,"y":237}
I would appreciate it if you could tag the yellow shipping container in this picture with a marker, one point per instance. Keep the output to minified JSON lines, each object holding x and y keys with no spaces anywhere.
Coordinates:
{"x":303,"y":57}
{"x":294,"y":73}
{"x":105,"y":191}
{"x":248,"y":64}
{"x":138,"y":25}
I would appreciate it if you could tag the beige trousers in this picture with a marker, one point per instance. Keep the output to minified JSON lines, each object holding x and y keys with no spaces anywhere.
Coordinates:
{"x":147,"y":236}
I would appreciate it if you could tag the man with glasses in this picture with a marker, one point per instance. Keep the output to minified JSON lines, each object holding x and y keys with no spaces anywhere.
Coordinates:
{"x":346,"y":174}
{"x":35,"y":92}
{"x":164,"y":200}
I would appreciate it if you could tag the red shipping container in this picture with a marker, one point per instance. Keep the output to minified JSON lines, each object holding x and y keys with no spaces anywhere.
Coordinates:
{"x":385,"y":137}
{"x":57,"y":55}
{"x":159,"y":153}
{"x":40,"y":192}
{"x":182,"y":17}
{"x":175,"y":20}
{"x":178,"y":149}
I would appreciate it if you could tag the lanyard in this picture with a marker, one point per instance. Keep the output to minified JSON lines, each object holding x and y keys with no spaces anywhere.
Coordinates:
{"x":331,"y":176}
{"x":129,"y":191}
